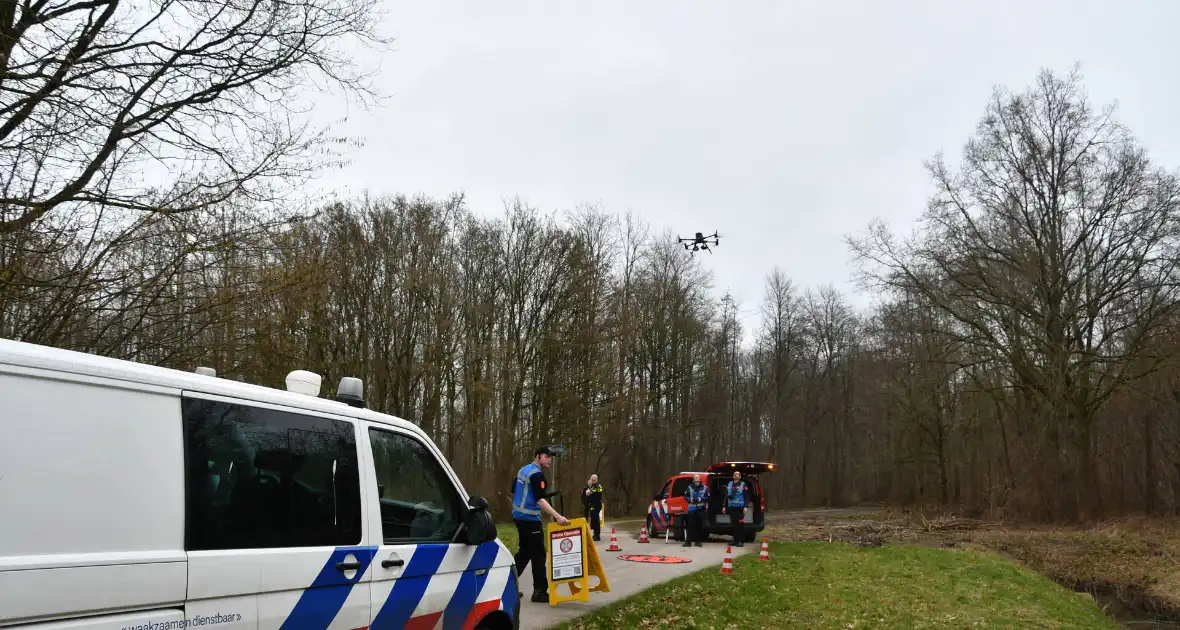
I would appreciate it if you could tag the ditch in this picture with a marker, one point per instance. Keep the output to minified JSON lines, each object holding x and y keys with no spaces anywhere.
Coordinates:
{"x":1131,"y":606}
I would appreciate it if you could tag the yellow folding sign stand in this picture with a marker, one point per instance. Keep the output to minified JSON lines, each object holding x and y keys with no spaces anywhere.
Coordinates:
{"x":573,"y":558}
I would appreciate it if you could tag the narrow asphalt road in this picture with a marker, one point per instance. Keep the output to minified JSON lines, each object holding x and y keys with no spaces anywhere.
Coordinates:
{"x":626,"y":578}
{"x":790,"y":515}
{"x":775,"y":516}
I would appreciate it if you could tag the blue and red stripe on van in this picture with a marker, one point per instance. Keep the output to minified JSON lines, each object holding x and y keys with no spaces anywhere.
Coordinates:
{"x":322,"y":601}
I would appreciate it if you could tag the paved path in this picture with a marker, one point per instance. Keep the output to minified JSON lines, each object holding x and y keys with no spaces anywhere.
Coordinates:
{"x":626,"y":578}
{"x":775,"y":516}
{"x":791,"y":515}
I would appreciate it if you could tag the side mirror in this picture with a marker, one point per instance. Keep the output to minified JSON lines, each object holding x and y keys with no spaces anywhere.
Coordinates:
{"x":477,"y":503}
{"x":478,"y":523}
{"x":658,"y":496}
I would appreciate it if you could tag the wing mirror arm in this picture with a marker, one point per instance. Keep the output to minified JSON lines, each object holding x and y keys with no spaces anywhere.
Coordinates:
{"x":477,"y":523}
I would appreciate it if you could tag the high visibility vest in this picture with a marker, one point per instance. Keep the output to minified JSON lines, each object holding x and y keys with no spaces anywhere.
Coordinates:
{"x":696,"y":498}
{"x":736,"y":494}
{"x":524,"y":504}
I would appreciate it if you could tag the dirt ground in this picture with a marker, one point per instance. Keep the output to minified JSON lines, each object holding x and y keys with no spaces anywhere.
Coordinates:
{"x":1130,"y":566}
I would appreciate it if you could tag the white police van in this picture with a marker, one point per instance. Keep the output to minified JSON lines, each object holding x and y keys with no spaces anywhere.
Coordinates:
{"x":135,"y":497}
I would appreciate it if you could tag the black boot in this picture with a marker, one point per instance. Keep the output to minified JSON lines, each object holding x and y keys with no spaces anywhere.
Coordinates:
{"x":541,"y":598}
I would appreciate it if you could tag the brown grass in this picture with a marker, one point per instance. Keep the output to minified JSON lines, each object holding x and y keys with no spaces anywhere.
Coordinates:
{"x":1132,"y":564}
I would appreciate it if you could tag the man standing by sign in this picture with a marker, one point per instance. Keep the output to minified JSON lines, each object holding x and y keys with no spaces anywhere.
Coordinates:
{"x":528,"y":492}
{"x":697,"y":496}
{"x":735,"y":507}
{"x":592,"y":504}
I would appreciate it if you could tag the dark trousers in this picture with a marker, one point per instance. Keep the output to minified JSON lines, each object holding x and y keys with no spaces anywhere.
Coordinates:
{"x":693,"y":523}
{"x":737,"y":518}
{"x":591,"y":513}
{"x":532,"y":549}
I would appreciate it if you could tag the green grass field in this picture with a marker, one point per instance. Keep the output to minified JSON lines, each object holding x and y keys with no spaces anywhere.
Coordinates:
{"x":825,"y":585}
{"x":507,"y":534}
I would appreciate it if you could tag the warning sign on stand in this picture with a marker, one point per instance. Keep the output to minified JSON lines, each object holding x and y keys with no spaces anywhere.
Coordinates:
{"x":573,"y":560}
{"x":567,"y":554}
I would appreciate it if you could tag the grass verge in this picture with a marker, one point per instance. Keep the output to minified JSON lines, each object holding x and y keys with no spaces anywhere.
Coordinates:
{"x":507,"y":535}
{"x":1133,"y":565}
{"x":1128,"y":564}
{"x":823,"y":585}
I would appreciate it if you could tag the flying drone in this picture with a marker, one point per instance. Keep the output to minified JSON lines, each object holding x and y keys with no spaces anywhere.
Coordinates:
{"x":699,"y":242}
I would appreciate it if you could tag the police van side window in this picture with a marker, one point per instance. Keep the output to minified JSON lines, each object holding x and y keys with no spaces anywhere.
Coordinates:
{"x":418,"y":501}
{"x":260,"y":478}
{"x":680,"y":486}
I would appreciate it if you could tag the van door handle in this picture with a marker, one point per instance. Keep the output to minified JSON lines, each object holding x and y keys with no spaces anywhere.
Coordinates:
{"x":389,"y":564}
{"x":347,"y":566}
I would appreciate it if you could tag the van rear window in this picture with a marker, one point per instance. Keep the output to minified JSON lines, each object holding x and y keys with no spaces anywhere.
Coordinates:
{"x":261,"y":478}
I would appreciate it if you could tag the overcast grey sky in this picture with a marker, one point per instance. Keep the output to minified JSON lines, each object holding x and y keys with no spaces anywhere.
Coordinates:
{"x":784,"y":125}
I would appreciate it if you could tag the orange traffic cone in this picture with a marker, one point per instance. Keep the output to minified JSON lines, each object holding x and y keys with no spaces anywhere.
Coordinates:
{"x":764,"y":555}
{"x":727,"y":563}
{"x":643,"y":535}
{"x":614,"y":542}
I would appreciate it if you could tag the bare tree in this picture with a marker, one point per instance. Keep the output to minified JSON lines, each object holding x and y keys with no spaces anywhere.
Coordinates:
{"x":98,"y":97}
{"x":1053,"y":249}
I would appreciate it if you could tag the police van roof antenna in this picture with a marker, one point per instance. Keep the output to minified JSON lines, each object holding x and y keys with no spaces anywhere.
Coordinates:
{"x":351,"y":392}
{"x":304,"y":382}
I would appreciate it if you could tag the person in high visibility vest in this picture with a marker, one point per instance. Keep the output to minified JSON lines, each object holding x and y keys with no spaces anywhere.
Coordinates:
{"x":697,"y":496}
{"x":528,"y":492}
{"x":735,"y":507}
{"x":592,"y":504}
